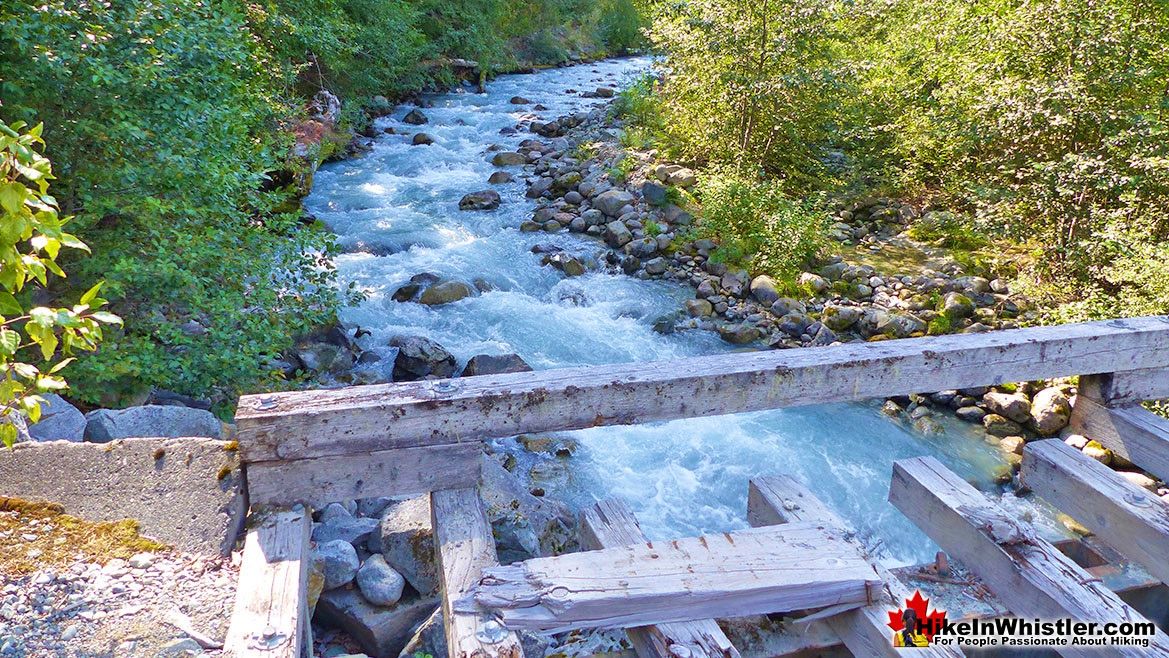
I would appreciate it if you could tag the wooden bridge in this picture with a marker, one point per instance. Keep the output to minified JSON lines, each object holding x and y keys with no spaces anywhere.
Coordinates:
{"x":306,"y":449}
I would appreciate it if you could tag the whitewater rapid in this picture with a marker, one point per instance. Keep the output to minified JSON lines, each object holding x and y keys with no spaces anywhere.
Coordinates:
{"x":395,"y":212}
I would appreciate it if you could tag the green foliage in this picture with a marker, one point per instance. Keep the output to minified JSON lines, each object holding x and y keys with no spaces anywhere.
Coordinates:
{"x":756,"y":221}
{"x":752,"y":85}
{"x":164,"y":123}
{"x":948,"y":230}
{"x":172,"y":122}
{"x":1041,"y":122}
{"x":355,"y":48}
{"x":651,"y":228}
{"x":36,"y":341}
{"x":621,"y":26}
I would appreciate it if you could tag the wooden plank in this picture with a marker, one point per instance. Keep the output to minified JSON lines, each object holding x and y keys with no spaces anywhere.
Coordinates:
{"x":1123,"y":388}
{"x":1134,"y":433}
{"x":610,"y":524}
{"x":465,"y":546}
{"x":782,"y":499}
{"x":271,"y":612}
{"x":1032,"y":577}
{"x":300,"y":424}
{"x":323,"y":480}
{"x":750,"y":572}
{"x":1124,"y":516}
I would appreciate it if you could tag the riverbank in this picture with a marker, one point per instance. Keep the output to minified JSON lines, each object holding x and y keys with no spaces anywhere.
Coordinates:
{"x":875,"y":281}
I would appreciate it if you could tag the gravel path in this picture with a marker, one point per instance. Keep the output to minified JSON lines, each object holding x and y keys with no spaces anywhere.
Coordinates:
{"x":151,"y":605}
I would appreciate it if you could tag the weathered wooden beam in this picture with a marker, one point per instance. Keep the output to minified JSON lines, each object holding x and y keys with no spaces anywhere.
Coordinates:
{"x":324,"y":480}
{"x":301,"y":424}
{"x":1124,"y":388}
{"x":1032,"y":577}
{"x":610,"y":524}
{"x":782,"y":499}
{"x":465,"y":546}
{"x":1124,"y":516}
{"x":271,"y":612}
{"x":750,"y":572}
{"x":1132,"y":432}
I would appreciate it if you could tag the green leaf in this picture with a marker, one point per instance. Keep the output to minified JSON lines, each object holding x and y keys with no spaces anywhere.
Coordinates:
{"x":12,"y":195}
{"x":9,"y":306}
{"x":9,"y":341}
{"x":91,"y":294}
{"x":106,"y":317}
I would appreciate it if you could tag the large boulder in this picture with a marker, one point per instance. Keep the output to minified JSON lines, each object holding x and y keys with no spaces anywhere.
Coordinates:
{"x":338,"y":561}
{"x":481,"y":200}
{"x":654,"y":194}
{"x":445,"y":293}
{"x":612,"y":201}
{"x":104,"y":425}
{"x":379,"y":583}
{"x":415,"y":117}
{"x":901,"y":325}
{"x":839,"y":318}
{"x":955,"y":306}
{"x":59,"y":421}
{"x":508,"y":159}
{"x":1050,"y":411}
{"x":616,"y":234}
{"x":406,"y":541}
{"x":1014,"y":406}
{"x":764,"y":290}
{"x":381,"y":631}
{"x":495,"y":364}
{"x":524,"y":525}
{"x":420,"y":357}
{"x":739,"y":334}
{"x":353,"y":529}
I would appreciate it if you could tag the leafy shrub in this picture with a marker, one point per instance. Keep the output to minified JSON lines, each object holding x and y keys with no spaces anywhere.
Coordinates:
{"x":36,"y":341}
{"x":164,"y":125}
{"x":621,"y":26}
{"x":756,"y":220}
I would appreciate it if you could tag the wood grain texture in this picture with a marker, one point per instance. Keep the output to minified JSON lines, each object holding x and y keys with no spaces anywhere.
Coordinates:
{"x":1029,"y":575}
{"x":465,"y":546}
{"x":1124,"y":388}
{"x":270,"y":613}
{"x":750,"y":572}
{"x":610,"y":524}
{"x":783,"y":499}
{"x":302,"y":424}
{"x":1124,"y":516}
{"x":324,"y":480}
{"x":1132,"y":432}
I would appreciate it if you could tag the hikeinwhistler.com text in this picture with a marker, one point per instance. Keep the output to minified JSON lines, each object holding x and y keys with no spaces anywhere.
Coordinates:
{"x":1016,"y":632}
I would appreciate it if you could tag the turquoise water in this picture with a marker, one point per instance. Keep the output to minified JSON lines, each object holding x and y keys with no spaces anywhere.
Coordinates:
{"x":396,"y":211}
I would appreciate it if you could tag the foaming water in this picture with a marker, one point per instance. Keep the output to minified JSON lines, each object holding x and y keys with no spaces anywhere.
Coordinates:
{"x":395,"y":210}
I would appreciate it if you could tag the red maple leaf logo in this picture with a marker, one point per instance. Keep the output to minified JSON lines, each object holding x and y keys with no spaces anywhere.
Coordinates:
{"x":929,"y":621}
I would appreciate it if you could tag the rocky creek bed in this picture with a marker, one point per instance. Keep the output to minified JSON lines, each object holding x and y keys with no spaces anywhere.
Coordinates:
{"x":480,"y":256}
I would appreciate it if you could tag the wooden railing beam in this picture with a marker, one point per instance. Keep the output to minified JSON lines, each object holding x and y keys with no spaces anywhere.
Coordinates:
{"x":305,"y":424}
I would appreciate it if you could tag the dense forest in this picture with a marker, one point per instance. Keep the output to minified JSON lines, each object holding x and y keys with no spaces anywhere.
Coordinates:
{"x":1036,"y":128}
{"x":178,"y":132}
{"x":170,"y":125}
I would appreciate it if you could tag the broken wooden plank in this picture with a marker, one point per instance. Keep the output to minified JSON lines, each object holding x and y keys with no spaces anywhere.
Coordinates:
{"x":324,"y":480}
{"x":758,"y":571}
{"x":1124,"y":388}
{"x":1124,"y":516}
{"x":783,"y":499}
{"x":610,"y":524}
{"x":465,"y":546}
{"x":1134,"y":433}
{"x":1032,"y":577}
{"x":301,"y":424}
{"x":270,"y":614}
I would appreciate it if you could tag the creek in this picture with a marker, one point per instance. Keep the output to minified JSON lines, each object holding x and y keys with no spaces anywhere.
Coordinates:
{"x":395,"y":212}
